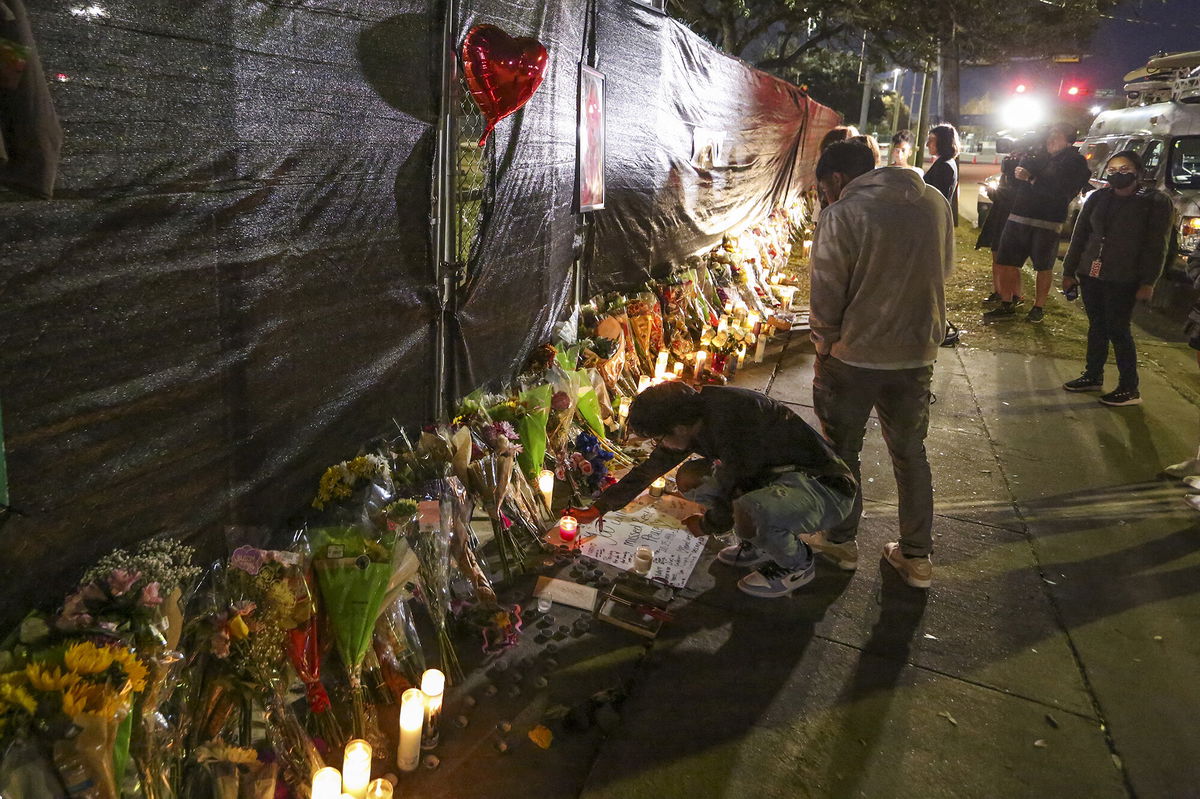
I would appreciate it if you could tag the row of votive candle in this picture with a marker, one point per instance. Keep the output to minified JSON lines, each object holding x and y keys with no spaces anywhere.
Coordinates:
{"x":420,"y":712}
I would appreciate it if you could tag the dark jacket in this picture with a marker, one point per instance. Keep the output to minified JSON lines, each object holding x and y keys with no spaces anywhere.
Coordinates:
{"x":1129,"y":235}
{"x":749,"y":434}
{"x":943,"y":176}
{"x":1056,"y":179}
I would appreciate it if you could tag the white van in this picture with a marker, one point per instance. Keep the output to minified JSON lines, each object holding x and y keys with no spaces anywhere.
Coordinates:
{"x":1165,"y":133}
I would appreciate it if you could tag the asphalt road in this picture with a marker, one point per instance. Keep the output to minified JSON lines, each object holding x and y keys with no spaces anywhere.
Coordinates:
{"x":969,"y":176}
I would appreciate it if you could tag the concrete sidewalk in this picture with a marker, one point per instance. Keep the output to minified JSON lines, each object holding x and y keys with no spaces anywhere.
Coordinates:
{"x":1056,"y":654}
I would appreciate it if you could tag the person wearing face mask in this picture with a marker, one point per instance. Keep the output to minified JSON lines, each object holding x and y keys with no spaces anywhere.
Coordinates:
{"x":1046,"y":182}
{"x":1117,"y":254}
{"x":775,"y":477}
{"x":882,"y":251}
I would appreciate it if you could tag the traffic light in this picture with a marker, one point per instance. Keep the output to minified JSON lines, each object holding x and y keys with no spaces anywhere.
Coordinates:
{"x":1020,"y":88}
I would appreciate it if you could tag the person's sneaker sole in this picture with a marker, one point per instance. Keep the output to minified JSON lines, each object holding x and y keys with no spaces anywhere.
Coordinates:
{"x":1090,"y":387}
{"x":1178,"y":471}
{"x":766,"y":592}
{"x":909,"y":579}
{"x":831,"y":553}
{"x":1122,"y":403}
{"x":1193,"y":501}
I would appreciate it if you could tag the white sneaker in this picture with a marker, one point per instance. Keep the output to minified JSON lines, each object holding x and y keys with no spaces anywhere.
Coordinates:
{"x":1193,"y":500}
{"x":743,"y":554}
{"x":1192,"y":482}
{"x":1188,"y":468}
{"x":773,"y":580}
{"x":844,"y":556}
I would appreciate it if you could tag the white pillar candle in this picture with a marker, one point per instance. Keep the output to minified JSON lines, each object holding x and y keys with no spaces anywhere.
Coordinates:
{"x":752,"y":322}
{"x":327,"y":784}
{"x":643,"y":383}
{"x":412,"y":718}
{"x":722,"y":323}
{"x":433,"y":685}
{"x":678,"y":369}
{"x":700,"y":356}
{"x":356,"y":768}
{"x":546,"y":486}
{"x":741,"y":361}
{"x":380,"y":789}
{"x":729,"y":306}
{"x":760,"y":348}
{"x":660,"y":365}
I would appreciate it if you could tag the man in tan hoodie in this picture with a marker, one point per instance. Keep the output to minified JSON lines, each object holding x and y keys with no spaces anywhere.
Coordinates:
{"x":881,"y":254}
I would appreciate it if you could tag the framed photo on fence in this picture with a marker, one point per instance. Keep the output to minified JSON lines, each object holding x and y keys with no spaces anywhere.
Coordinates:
{"x":590,"y":147}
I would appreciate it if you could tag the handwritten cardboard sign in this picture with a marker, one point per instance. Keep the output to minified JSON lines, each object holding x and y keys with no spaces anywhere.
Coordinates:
{"x":676,"y":551}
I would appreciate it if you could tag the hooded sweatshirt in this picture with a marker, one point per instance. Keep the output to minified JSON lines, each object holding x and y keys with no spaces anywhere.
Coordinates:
{"x":880,"y":258}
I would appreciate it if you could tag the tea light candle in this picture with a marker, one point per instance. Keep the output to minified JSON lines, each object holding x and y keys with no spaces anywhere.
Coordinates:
{"x":643,"y":383}
{"x":327,"y":784}
{"x":643,"y":560}
{"x":546,"y":486}
{"x":380,"y":789}
{"x":700,"y":356}
{"x":568,"y":526}
{"x":412,"y":717}
{"x":657,"y":487}
{"x":356,"y":768}
{"x":741,"y":359}
{"x":433,"y":685}
{"x":660,"y":365}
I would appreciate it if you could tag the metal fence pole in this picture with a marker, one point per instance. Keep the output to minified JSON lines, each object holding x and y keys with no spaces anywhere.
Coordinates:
{"x":443,"y":208}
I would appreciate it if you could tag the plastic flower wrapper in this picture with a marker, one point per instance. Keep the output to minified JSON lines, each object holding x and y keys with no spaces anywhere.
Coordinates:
{"x":26,"y":772}
{"x":236,"y":772}
{"x":675,"y":300}
{"x":430,"y":538}
{"x":531,"y":428}
{"x":645,"y":318}
{"x":398,"y":646}
{"x":354,"y":567}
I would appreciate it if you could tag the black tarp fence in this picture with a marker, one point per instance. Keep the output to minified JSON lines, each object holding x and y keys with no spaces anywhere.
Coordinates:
{"x":234,"y":284}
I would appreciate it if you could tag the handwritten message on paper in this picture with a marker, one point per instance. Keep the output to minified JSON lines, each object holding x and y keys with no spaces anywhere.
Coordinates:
{"x":676,"y":551}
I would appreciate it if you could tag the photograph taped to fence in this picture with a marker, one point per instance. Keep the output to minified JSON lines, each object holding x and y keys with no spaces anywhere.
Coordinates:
{"x":591,"y":139}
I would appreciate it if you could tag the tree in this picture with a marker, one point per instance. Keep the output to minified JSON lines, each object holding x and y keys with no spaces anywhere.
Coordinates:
{"x":832,"y":76}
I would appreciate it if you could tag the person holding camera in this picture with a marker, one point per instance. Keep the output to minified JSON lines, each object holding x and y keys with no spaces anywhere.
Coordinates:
{"x":1117,"y":252}
{"x":1046,"y":183}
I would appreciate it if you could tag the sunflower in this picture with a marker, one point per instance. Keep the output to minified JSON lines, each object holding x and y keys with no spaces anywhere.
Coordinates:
{"x":17,"y":696}
{"x":92,"y":698}
{"x":44,"y":678}
{"x":88,"y":658}
{"x":135,"y":670}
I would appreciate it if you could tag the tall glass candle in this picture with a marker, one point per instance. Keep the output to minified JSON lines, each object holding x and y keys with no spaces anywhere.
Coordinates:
{"x":380,"y":789}
{"x":568,"y":526}
{"x":327,"y":784}
{"x":546,"y":486}
{"x":412,"y":718}
{"x":678,"y":369}
{"x":356,"y":768}
{"x":760,"y":347}
{"x":433,"y":685}
{"x":660,"y":364}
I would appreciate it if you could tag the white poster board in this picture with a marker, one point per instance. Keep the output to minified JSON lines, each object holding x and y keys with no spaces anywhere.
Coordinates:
{"x":676,"y":551}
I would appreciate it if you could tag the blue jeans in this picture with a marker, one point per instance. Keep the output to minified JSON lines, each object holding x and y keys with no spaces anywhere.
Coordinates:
{"x":792,"y":503}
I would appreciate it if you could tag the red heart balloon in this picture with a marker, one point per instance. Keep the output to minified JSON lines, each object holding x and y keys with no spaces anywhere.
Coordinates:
{"x":502,"y":72}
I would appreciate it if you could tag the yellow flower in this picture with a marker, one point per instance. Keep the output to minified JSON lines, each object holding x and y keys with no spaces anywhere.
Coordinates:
{"x":17,"y":696}
{"x":92,"y":698}
{"x":135,"y":670}
{"x":44,"y":678}
{"x":238,"y":629}
{"x":88,"y":658}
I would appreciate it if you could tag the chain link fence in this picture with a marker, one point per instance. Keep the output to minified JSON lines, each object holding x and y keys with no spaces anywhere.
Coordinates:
{"x":470,"y":179}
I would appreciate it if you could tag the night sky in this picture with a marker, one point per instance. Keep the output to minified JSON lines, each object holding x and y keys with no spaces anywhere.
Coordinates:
{"x":1119,"y":46}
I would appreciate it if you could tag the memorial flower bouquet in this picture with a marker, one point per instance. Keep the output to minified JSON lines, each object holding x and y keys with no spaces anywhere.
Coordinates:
{"x":237,"y":772}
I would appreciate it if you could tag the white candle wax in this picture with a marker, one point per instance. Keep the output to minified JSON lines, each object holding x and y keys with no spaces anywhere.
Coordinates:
{"x":643,"y":383}
{"x":546,"y":486}
{"x":433,"y":686}
{"x":380,"y":789}
{"x":678,"y":369}
{"x":356,"y":768}
{"x":643,"y":560}
{"x":327,"y":784}
{"x":623,"y":412}
{"x":760,"y":349}
{"x":660,"y":365}
{"x":656,"y":488}
{"x":700,"y":356}
{"x":412,"y":718}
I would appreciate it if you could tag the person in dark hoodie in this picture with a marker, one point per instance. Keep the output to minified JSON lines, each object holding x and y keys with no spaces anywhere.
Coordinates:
{"x":881,"y":253}
{"x":774,"y":477}
{"x":1047,"y":181}
{"x":1117,"y":253}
